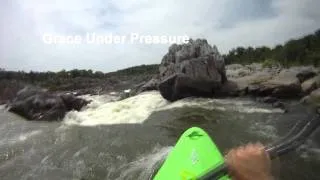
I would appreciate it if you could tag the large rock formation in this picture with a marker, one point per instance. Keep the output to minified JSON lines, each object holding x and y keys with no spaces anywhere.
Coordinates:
{"x":310,"y":84}
{"x":313,"y":99}
{"x":38,"y":104}
{"x":285,"y":84}
{"x":192,"y":69}
{"x":244,"y":80}
{"x":273,"y":81}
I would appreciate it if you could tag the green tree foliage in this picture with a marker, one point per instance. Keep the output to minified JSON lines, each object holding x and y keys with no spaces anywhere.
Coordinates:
{"x":138,"y":70}
{"x":74,"y":79}
{"x":303,"y":51}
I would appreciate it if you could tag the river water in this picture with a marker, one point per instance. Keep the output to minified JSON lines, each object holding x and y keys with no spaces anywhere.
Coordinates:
{"x":127,"y":139}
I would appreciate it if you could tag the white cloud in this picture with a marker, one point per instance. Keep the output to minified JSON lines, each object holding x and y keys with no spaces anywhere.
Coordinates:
{"x":24,"y":22}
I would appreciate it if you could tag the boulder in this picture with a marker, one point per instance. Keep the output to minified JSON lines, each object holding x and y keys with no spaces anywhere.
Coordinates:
{"x":150,"y":85}
{"x":305,"y":72}
{"x":72,"y":102}
{"x":236,"y":73}
{"x":284,"y":85}
{"x":27,"y":92}
{"x":38,"y":104}
{"x":313,"y":98}
{"x":310,"y":85}
{"x":247,"y":84}
{"x":192,"y":69}
{"x":237,"y":70}
{"x":232,"y":88}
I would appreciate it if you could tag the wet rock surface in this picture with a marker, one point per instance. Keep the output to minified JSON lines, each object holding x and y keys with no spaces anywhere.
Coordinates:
{"x":38,"y":104}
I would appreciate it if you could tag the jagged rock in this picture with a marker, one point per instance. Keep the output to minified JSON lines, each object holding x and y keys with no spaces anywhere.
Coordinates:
{"x":310,"y":85}
{"x":253,"y":89}
{"x":71,"y":102}
{"x":27,"y":92}
{"x":192,"y":69}
{"x":38,"y":104}
{"x":232,"y":88}
{"x":150,"y":85}
{"x":285,"y":84}
{"x":250,"y":84}
{"x":305,"y":73}
{"x":313,"y":98}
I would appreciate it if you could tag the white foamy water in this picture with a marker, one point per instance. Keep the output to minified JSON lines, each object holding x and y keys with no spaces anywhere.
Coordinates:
{"x":131,"y":110}
{"x":145,"y":164}
{"x":243,"y":106}
{"x":2,"y":107}
{"x":107,"y":110}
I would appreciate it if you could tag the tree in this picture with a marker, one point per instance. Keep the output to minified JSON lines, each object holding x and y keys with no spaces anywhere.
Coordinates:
{"x":303,"y":51}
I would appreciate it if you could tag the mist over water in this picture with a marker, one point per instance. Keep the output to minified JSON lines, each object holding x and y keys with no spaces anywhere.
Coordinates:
{"x":127,"y":139}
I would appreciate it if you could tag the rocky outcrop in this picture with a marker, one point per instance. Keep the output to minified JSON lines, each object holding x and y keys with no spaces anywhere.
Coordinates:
{"x":150,"y":85}
{"x":38,"y":104}
{"x":272,"y":82}
{"x":310,"y":85}
{"x":73,"y":103}
{"x":284,"y":85}
{"x":313,"y":99}
{"x":192,"y":69}
{"x":305,"y":72}
{"x":197,"y":69}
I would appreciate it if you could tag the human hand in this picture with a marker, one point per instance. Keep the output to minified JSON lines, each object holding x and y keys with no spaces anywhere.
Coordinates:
{"x":250,"y":162}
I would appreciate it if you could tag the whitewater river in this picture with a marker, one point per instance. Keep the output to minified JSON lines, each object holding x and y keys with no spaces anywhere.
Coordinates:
{"x":127,"y":139}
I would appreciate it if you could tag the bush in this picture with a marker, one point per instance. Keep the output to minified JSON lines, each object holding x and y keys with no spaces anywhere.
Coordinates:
{"x":268,"y":63}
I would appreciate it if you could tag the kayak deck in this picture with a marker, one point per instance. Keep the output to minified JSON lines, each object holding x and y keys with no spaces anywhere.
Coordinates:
{"x":194,"y":155}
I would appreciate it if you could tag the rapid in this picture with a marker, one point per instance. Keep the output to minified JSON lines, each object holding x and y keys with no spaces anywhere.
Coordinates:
{"x":127,"y":139}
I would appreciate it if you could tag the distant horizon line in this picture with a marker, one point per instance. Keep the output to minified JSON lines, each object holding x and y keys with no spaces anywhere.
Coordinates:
{"x":222,"y":54}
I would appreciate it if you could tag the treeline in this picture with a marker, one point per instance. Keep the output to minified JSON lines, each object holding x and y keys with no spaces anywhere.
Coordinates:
{"x":33,"y":76}
{"x":138,"y":70}
{"x":73,"y":79}
{"x":303,"y":51}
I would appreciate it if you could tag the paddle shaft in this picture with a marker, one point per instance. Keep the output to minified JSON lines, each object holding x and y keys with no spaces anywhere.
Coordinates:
{"x":279,"y":149}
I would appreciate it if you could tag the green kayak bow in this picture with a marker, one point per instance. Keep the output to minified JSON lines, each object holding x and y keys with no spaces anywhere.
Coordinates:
{"x":196,"y":156}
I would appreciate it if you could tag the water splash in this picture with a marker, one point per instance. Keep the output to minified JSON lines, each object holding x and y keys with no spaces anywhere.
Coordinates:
{"x":107,"y":110}
{"x":146,"y":165}
{"x":131,"y":110}
{"x":242,"y":106}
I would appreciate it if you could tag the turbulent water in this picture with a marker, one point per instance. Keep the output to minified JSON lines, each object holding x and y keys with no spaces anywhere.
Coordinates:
{"x":127,"y":139}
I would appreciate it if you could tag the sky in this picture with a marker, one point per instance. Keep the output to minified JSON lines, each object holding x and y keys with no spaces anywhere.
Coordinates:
{"x":224,"y":23}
